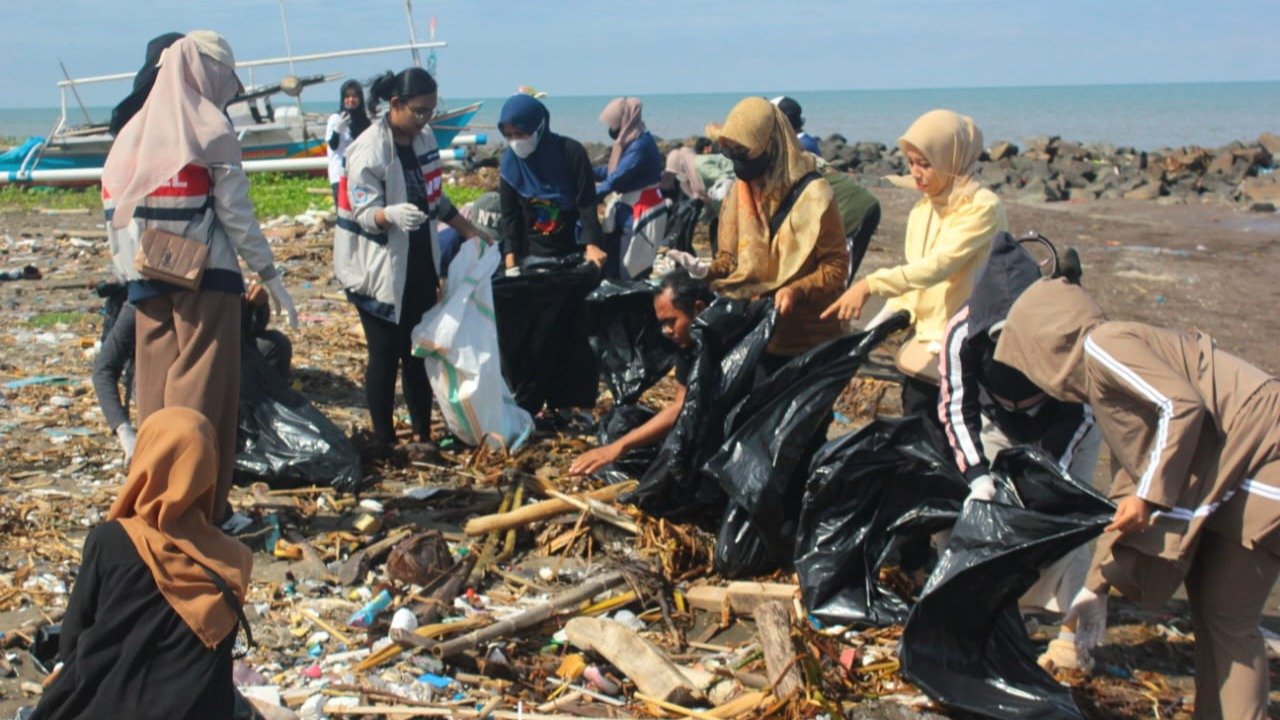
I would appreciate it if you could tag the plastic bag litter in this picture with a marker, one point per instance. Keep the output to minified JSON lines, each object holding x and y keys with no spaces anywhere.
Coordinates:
{"x":542,"y":332}
{"x":682,"y":223}
{"x":458,"y":340}
{"x":625,"y":335}
{"x":618,"y":421}
{"x":772,"y":435}
{"x":282,"y":438}
{"x":729,"y":338}
{"x":965,"y":643}
{"x":867,"y":492}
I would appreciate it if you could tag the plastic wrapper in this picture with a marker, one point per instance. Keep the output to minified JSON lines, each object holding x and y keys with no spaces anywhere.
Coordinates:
{"x":772,"y":435}
{"x":542,"y":333}
{"x":965,"y":643}
{"x":729,"y":339}
{"x":282,"y":438}
{"x":868,"y":491}
{"x":625,"y":335}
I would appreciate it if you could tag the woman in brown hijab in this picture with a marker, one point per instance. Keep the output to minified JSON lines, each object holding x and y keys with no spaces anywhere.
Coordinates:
{"x":803,"y":263}
{"x":148,"y":633}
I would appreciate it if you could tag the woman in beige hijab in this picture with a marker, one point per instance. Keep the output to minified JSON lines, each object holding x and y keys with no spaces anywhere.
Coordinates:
{"x":803,"y":264}
{"x":949,"y":233}
{"x":175,"y":168}
{"x":149,"y":630}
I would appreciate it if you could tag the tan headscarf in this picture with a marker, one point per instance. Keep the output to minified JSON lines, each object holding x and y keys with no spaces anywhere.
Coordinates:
{"x":624,"y":114}
{"x":166,"y":508}
{"x":1044,"y":335}
{"x":181,"y":123}
{"x":680,"y":162}
{"x":764,"y":265}
{"x":952,"y":144}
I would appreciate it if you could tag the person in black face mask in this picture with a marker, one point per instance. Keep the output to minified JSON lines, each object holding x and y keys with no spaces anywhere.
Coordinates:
{"x":780,"y":231}
{"x":637,"y":222}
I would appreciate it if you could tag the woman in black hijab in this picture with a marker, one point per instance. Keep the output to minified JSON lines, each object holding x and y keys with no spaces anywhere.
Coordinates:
{"x":142,"y":82}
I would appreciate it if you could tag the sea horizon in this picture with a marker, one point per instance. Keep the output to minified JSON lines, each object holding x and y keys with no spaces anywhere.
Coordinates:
{"x":1146,"y":116}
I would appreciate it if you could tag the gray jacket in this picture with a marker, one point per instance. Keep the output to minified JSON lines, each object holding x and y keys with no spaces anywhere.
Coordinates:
{"x":372,"y":263}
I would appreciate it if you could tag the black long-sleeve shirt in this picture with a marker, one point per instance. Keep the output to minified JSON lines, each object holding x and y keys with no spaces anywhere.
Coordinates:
{"x":531,"y":227}
{"x":126,"y":654}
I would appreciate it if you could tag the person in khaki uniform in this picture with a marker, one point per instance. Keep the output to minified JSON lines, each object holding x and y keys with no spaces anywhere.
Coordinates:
{"x":1194,"y":434}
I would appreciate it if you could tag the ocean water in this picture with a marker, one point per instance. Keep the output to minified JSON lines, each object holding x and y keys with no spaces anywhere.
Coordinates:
{"x":1142,"y":116}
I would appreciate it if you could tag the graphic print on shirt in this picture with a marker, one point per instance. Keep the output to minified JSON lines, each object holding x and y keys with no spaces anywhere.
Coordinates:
{"x":546,"y":216}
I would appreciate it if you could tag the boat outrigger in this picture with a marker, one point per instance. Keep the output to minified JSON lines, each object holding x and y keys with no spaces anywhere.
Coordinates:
{"x":282,"y":139}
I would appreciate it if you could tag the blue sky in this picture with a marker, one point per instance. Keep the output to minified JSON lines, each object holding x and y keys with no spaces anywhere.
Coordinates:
{"x":592,"y":47}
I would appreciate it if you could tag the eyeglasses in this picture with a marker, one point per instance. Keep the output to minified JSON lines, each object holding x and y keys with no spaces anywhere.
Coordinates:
{"x":421,"y":113}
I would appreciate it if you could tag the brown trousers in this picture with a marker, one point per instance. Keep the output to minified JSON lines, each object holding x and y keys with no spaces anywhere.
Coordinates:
{"x":1228,"y":585}
{"x":188,"y":355}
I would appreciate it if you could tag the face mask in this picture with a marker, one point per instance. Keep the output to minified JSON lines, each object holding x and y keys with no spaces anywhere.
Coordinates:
{"x":751,"y":168}
{"x":524,"y":147}
{"x":613,"y":134}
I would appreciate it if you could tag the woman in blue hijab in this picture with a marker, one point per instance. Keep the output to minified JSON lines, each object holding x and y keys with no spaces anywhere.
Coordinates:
{"x":547,"y":190}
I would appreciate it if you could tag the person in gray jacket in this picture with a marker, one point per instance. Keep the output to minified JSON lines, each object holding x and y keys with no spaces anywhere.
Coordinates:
{"x":176,"y":167}
{"x":386,"y":252}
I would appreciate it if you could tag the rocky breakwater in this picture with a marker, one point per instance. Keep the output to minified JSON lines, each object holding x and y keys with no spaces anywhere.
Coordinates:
{"x":1051,"y":169}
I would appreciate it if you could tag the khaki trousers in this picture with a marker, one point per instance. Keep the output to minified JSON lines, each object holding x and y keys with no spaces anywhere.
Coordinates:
{"x":1228,"y":585}
{"x":188,"y":355}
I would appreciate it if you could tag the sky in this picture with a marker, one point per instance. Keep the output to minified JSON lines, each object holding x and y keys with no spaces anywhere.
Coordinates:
{"x":594,"y":47}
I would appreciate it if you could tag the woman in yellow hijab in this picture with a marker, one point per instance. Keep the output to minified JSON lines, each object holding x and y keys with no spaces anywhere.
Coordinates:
{"x":949,"y":233}
{"x":803,"y":263}
{"x":149,"y":630}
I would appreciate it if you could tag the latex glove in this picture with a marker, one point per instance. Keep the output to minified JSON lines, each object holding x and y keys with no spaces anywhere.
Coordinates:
{"x":280,"y":301}
{"x":1089,"y":610}
{"x":405,"y":216}
{"x":513,"y":271}
{"x":344,"y":122}
{"x":983,"y":487}
{"x":128,"y":440}
{"x":697,"y":267}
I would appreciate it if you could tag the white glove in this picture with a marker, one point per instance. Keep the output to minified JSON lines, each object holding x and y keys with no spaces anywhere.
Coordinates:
{"x":344,"y":122}
{"x":128,"y":440}
{"x":983,"y":487}
{"x":1089,"y":610}
{"x":281,"y":303}
{"x":513,"y":271}
{"x":697,"y":267}
{"x":405,"y":216}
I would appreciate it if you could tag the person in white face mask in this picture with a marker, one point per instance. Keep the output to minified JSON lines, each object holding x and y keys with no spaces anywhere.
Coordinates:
{"x":547,"y":189}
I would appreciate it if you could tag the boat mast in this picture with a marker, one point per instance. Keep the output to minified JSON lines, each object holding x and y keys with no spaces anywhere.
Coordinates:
{"x":413,"y":40}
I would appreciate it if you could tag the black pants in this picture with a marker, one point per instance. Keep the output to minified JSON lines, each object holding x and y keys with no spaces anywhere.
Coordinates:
{"x":390,"y":348}
{"x":277,"y":349}
{"x":918,"y":398}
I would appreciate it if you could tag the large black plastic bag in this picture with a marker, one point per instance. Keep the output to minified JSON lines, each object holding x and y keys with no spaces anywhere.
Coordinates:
{"x":772,"y":434}
{"x":542,"y":333}
{"x":729,"y":338}
{"x":625,"y":335}
{"x":618,"y":421}
{"x":867,"y":492}
{"x":965,"y":643}
{"x":282,"y":438}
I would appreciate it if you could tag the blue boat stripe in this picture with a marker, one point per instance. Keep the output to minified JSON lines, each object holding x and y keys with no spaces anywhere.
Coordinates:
{"x":354,"y":227}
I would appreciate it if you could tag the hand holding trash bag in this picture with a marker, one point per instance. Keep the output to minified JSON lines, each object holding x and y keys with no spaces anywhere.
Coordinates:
{"x":405,"y":216}
{"x":982,"y":488}
{"x":281,"y":302}
{"x":595,"y":255}
{"x":1133,"y":514}
{"x":1089,"y":610}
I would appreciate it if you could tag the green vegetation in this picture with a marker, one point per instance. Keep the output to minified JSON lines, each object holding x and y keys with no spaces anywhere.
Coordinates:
{"x":47,"y":320}
{"x":273,"y":194}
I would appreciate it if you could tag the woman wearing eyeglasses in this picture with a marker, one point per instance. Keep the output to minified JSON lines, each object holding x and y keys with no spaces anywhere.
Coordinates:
{"x":385,"y":252}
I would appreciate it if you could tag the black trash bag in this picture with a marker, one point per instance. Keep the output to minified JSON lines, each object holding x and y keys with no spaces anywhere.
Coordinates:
{"x":542,"y":333}
{"x":283,"y":439}
{"x":965,"y":643}
{"x":682,"y":223}
{"x":729,"y":338}
{"x":868,"y":493}
{"x":625,"y":335}
{"x":772,"y":435}
{"x":618,"y":421}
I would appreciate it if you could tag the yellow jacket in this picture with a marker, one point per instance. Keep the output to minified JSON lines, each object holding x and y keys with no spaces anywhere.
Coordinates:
{"x":943,"y":252}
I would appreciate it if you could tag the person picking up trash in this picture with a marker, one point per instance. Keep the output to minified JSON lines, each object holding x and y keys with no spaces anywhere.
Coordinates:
{"x":986,"y":406}
{"x":1194,"y":434}
{"x":679,"y":299}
